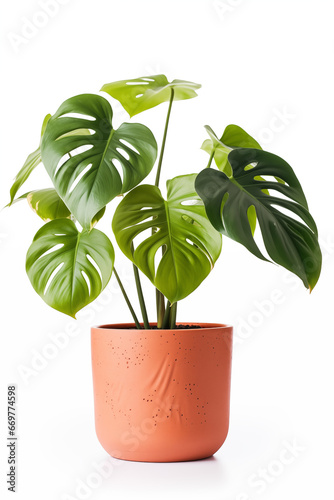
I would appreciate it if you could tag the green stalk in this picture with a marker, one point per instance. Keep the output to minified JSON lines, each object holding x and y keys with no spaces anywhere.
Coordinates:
{"x":172,"y":316}
{"x":133,"y":314}
{"x":157,"y":179}
{"x":160,"y":299}
{"x":165,"y":323}
{"x":211,"y":158}
{"x":160,"y":307}
{"x":141,"y":298}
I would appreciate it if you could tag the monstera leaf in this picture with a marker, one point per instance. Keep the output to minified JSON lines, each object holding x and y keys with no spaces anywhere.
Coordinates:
{"x":233,"y":137}
{"x":69,"y":269}
{"x":290,"y":239}
{"x":147,"y":92}
{"x":32,"y":161}
{"x":89,"y":171}
{"x":181,"y":231}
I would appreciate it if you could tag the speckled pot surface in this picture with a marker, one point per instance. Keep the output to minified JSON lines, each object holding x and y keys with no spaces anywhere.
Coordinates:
{"x":161,"y":395}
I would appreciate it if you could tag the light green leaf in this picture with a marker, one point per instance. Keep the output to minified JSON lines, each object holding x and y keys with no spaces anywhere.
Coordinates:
{"x":233,"y":137}
{"x":113,"y":161}
{"x":190,"y":244}
{"x":143,"y":93}
{"x":290,"y":240}
{"x":47,"y":204}
{"x":32,"y":161}
{"x":69,"y":269}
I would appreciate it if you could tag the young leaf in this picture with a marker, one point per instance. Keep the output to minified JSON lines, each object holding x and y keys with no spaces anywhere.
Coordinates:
{"x":69,"y":269}
{"x":183,"y":233}
{"x":290,"y":242}
{"x":147,"y":92}
{"x":113,"y":162}
{"x":233,"y":137}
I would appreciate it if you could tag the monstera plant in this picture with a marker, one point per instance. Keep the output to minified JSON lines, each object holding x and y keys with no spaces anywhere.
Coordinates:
{"x":173,"y":240}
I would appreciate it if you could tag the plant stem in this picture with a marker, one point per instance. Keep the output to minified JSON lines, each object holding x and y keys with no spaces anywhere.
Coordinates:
{"x":157,"y":179}
{"x":172,"y":316}
{"x":165,"y":322}
{"x":211,"y":158}
{"x":141,"y":298}
{"x":160,"y":308}
{"x":160,"y":299}
{"x":133,"y":314}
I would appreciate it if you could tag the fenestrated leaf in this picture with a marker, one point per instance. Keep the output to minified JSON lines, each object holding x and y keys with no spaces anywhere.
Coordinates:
{"x":190,"y":244}
{"x":47,"y":204}
{"x":143,"y":93}
{"x":291,"y":241}
{"x":88,"y":180}
{"x":69,"y":269}
{"x":32,"y":161}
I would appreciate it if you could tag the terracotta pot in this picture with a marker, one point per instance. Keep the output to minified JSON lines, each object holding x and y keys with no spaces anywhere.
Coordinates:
{"x":161,"y":395}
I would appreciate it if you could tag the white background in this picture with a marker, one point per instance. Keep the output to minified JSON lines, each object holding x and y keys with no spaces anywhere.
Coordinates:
{"x":256,"y":60}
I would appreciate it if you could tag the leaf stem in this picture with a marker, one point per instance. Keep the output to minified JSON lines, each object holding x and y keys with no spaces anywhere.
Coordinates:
{"x":172,"y":316}
{"x":160,"y":308}
{"x":133,"y":314}
{"x":165,"y":322}
{"x":211,"y":158}
{"x":157,"y":179}
{"x":141,"y":297}
{"x":160,"y":299}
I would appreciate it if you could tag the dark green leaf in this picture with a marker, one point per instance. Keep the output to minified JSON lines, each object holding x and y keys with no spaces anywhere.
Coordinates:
{"x":291,"y":241}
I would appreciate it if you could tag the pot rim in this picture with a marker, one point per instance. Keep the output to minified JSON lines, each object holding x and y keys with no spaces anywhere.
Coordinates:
{"x":131,"y":327}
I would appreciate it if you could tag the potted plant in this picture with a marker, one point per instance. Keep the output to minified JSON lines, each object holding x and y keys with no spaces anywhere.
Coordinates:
{"x":161,"y":388}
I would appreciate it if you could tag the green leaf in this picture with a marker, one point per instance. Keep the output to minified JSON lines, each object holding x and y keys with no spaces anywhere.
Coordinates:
{"x":143,"y":93}
{"x":182,"y":231}
{"x":290,"y":243}
{"x":32,"y":161}
{"x":47,"y":204}
{"x":233,"y":137}
{"x":61,"y":262}
{"x":88,"y":180}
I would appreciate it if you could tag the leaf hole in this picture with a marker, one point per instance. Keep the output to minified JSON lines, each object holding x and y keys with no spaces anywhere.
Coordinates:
{"x":148,"y":79}
{"x":123,"y":153}
{"x":52,"y":277}
{"x":78,"y":115}
{"x":80,"y":176}
{"x":117,"y":164}
{"x":139,"y":95}
{"x":289,"y":213}
{"x":81,"y":149}
{"x":62,"y":162}
{"x":94,"y":264}
{"x":187,"y":203}
{"x":87,"y":280}
{"x":130,"y":146}
{"x":55,"y":248}
{"x":137,"y":83}
{"x":250,"y":166}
